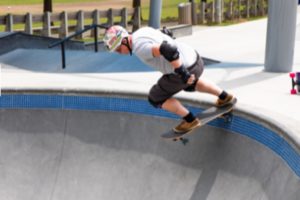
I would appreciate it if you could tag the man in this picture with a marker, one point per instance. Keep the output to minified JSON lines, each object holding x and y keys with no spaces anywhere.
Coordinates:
{"x":180,"y":64}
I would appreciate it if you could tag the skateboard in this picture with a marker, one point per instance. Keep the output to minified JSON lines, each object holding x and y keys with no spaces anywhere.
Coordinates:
{"x":205,"y":117}
{"x":295,"y":76}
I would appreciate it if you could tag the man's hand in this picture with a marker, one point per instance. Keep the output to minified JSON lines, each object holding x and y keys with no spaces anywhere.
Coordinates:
{"x":191,"y":80}
{"x":185,"y":75}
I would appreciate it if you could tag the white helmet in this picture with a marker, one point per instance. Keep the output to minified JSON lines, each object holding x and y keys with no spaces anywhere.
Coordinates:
{"x":113,"y":37}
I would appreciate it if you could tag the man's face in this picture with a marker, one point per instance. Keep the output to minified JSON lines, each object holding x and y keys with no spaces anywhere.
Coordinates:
{"x":123,"y":49}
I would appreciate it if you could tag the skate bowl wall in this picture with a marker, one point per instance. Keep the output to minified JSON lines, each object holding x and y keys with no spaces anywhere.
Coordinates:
{"x":74,"y":146}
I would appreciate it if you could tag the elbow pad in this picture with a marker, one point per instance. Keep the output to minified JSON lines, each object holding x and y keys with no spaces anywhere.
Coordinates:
{"x":168,"y":51}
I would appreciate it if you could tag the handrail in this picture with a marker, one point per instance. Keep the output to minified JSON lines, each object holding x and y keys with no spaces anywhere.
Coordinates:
{"x":62,"y":42}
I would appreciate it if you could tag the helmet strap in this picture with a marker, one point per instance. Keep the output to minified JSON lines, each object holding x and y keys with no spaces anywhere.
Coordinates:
{"x":128,"y":46}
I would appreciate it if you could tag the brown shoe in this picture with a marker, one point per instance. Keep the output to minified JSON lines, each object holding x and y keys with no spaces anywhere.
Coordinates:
{"x":230,"y":99}
{"x":185,"y":126}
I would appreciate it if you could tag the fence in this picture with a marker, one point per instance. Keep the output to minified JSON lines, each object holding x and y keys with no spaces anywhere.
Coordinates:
{"x":70,"y":22}
{"x":218,"y":11}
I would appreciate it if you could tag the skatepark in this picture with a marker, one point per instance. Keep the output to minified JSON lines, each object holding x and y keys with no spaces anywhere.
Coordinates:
{"x":88,"y":132}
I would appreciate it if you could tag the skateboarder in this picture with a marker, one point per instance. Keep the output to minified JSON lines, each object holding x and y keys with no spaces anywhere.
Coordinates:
{"x":179,"y":63}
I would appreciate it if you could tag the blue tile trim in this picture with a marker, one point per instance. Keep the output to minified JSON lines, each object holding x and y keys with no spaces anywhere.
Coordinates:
{"x":31,"y":101}
{"x":239,"y":125}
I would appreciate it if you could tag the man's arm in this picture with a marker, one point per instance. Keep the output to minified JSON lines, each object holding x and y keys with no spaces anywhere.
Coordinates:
{"x":156,"y":52}
{"x":170,"y":53}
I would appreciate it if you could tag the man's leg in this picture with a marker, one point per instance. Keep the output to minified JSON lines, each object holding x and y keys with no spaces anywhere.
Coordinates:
{"x":209,"y":87}
{"x":174,"y":106}
{"x":189,"y":120}
{"x":162,"y":98}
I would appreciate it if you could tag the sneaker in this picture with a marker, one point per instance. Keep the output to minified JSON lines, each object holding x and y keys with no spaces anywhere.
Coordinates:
{"x":230,"y":99}
{"x":185,"y":126}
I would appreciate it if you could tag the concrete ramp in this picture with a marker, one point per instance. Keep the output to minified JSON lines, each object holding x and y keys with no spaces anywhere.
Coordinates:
{"x":49,"y":60}
{"x":10,"y":41}
{"x":91,"y":155}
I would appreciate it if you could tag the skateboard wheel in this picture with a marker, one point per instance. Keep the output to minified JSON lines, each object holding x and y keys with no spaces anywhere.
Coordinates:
{"x":292,"y":75}
{"x":228,"y":119}
{"x":293,"y":91}
{"x":184,"y":141}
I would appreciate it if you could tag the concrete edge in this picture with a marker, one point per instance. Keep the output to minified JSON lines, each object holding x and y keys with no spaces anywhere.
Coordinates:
{"x":181,"y":30}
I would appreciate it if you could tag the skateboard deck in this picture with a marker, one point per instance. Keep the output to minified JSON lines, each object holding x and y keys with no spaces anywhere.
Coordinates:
{"x":205,"y":117}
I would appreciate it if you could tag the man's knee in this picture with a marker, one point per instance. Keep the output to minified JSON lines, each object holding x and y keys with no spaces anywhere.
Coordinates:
{"x":155,"y":104}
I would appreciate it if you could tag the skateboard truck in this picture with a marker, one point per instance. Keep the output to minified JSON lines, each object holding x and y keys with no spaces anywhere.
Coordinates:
{"x":295,"y":82}
{"x":182,"y":139}
{"x":227,"y":117}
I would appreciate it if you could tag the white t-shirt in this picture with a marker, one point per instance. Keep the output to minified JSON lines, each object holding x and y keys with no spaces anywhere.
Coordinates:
{"x":143,"y":40}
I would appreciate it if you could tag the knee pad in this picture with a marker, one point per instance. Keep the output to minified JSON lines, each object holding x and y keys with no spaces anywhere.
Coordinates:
{"x":155,"y":104}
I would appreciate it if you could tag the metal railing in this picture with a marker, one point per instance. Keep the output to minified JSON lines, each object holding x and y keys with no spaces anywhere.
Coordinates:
{"x":62,"y":42}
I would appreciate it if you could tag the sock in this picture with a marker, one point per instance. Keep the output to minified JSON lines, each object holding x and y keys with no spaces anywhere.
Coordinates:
{"x":189,"y":117}
{"x":223,"y":95}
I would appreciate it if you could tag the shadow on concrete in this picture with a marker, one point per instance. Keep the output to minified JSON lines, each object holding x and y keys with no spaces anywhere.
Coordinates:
{"x":247,"y":74}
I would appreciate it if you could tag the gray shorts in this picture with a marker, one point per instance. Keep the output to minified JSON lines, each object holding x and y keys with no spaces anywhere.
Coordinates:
{"x":170,"y":84}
